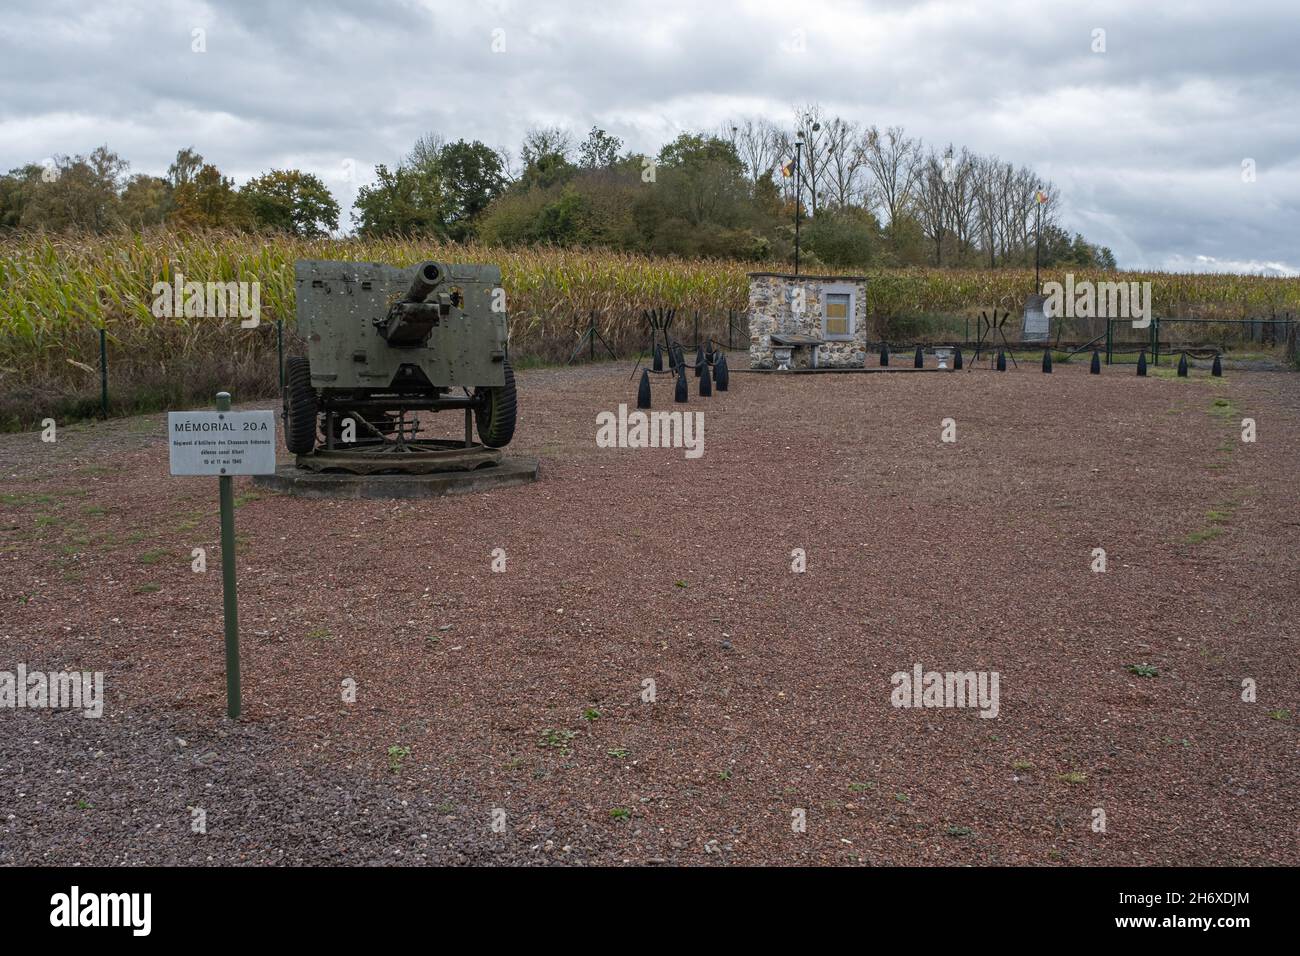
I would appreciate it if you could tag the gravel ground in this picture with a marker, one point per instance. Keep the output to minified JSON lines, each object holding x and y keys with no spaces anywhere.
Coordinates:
{"x":523,"y":691}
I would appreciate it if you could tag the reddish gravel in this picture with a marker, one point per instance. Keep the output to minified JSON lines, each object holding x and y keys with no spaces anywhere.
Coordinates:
{"x":772,"y":688}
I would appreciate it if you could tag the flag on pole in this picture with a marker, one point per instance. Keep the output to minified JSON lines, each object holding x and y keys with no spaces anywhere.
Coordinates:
{"x":1041,"y":197}
{"x":787,"y":169}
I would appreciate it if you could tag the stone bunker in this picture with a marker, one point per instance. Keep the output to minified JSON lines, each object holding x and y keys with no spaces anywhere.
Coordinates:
{"x":807,"y":321}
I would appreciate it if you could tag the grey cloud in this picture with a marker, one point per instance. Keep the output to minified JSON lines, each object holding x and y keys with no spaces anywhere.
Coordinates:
{"x":1145,"y":140}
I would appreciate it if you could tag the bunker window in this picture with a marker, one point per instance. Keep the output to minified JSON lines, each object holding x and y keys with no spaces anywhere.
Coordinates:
{"x":837,"y":316}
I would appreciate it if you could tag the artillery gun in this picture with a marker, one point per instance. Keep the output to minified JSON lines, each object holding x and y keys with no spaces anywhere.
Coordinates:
{"x":384,"y":344}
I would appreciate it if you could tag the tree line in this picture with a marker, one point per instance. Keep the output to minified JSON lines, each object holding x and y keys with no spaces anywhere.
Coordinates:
{"x":866,"y":197}
{"x":94,"y":193}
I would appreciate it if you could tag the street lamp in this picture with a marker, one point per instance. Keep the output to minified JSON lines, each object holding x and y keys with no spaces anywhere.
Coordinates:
{"x":798,"y":194}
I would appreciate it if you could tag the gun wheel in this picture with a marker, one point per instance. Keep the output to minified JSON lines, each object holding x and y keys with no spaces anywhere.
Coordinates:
{"x":495,"y":413}
{"x":299,"y":406}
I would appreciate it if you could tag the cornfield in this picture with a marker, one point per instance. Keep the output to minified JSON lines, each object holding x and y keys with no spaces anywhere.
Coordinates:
{"x":56,"y":292}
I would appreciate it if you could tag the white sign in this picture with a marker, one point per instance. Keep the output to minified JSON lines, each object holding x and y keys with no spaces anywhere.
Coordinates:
{"x":222,"y":443}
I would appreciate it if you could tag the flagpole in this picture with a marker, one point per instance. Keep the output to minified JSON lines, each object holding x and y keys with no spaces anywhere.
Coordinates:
{"x":1038,"y":244}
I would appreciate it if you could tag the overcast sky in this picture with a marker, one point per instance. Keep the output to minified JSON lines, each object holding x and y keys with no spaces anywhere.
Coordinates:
{"x":1146,"y":140}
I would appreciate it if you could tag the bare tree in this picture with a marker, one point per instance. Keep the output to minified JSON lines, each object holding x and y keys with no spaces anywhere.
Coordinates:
{"x":424,"y":154}
{"x":959,"y":177}
{"x":932,"y":201}
{"x":844,"y":165}
{"x":808,"y":121}
{"x":894,"y":162}
{"x":987,"y":174}
{"x":759,"y":144}
{"x":543,"y":141}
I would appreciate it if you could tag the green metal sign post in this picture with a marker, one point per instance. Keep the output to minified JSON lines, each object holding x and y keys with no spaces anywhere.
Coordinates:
{"x":223,"y":444}
{"x":229,"y":597}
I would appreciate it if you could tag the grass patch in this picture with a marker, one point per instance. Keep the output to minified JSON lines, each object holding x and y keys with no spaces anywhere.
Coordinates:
{"x":1074,"y":776}
{"x":395,"y":757}
{"x":1143,"y":670}
{"x":1223,"y":408}
{"x":558,"y":740}
{"x":154,"y":555}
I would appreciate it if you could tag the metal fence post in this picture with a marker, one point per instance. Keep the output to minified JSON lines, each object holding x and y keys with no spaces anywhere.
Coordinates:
{"x":103,"y":371}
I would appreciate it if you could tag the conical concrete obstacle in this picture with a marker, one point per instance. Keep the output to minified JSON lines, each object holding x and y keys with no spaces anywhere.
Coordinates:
{"x":699,"y":359}
{"x":1142,"y":363}
{"x":919,"y":360}
{"x":884,"y":354}
{"x":679,"y":393}
{"x":723,"y":376}
{"x":1095,"y":367}
{"x":643,"y":390}
{"x":1217,"y":369}
{"x":956,"y":359}
{"x":1047,"y":361}
{"x":659,"y":358}
{"x":1002,"y":360}
{"x":706,"y":383}
{"x":1182,"y":365}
